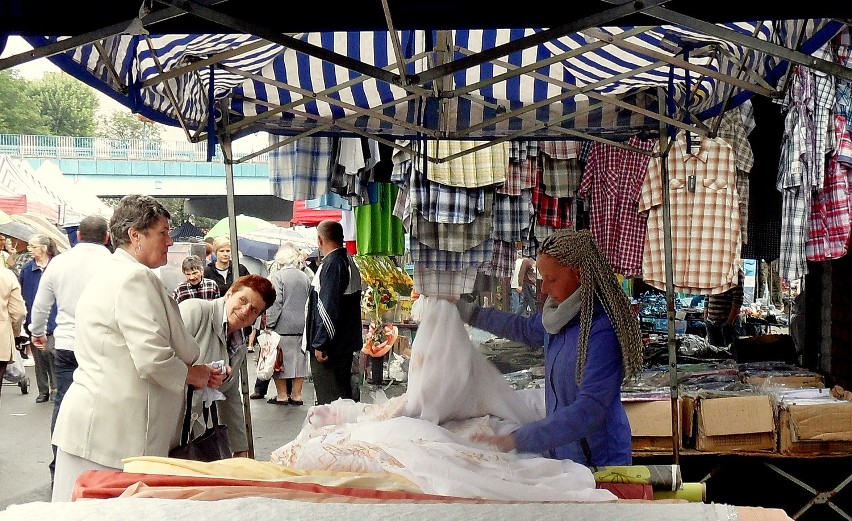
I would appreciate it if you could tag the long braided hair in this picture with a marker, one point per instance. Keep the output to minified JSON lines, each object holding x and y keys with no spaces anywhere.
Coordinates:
{"x":597,"y":280}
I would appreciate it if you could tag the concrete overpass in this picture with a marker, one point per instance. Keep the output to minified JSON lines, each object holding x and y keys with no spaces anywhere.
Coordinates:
{"x":116,"y":167}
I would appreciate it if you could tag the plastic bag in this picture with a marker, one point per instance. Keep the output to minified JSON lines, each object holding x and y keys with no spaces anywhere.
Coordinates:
{"x":268,"y":342}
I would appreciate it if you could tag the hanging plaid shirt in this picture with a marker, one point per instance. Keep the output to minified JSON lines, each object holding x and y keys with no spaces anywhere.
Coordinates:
{"x":613,"y":181}
{"x":443,"y":283}
{"x":510,"y":216}
{"x":829,"y":223}
{"x":705,"y":218}
{"x":484,"y":167}
{"x":301,"y":169}
{"x":502,"y":262}
{"x":450,"y":260}
{"x":793,"y":183}
{"x":446,"y":204}
{"x":551,"y":211}
{"x":523,"y":167}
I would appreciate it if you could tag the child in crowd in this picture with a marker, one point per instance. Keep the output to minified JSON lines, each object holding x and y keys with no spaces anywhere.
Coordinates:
{"x":196,"y":286}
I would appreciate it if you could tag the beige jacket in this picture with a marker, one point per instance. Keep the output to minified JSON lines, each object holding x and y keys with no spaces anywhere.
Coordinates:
{"x":133,"y":351}
{"x":205,"y":320}
{"x":12,"y":314}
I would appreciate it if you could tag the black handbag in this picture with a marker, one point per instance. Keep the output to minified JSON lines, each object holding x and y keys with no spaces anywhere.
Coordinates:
{"x":213,"y":445}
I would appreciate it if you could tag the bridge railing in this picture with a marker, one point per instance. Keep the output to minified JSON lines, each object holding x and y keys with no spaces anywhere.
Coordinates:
{"x":69,"y":147}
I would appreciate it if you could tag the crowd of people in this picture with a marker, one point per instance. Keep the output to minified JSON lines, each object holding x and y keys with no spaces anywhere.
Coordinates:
{"x":121,"y":350}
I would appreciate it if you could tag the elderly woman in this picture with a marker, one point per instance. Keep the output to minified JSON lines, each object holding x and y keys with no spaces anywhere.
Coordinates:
{"x":218,"y":327}
{"x":42,"y":249}
{"x":591,"y":344}
{"x":287,"y":318}
{"x":135,"y":357}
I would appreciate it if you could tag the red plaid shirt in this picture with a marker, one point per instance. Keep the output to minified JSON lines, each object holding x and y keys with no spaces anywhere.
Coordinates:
{"x":206,"y":289}
{"x":829,"y":222}
{"x":551,"y":211}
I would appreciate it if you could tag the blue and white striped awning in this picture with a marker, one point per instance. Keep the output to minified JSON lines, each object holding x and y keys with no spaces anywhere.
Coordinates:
{"x":602,"y":81}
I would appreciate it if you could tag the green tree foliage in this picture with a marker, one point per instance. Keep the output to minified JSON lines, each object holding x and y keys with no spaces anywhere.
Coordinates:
{"x":67,"y":105}
{"x":124,"y":125}
{"x":19,"y":112}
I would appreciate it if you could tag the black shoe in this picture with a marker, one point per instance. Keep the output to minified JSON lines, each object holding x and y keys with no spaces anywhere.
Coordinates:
{"x":256,"y":396}
{"x":42,"y":398}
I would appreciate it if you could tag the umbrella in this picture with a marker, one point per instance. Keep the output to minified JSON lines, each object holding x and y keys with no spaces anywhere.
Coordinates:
{"x":18,"y":230}
{"x":245,"y":223}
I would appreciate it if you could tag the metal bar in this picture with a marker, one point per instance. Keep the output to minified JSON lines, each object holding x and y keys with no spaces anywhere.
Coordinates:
{"x":678,"y":62}
{"x":243,"y":26}
{"x":591,"y":94}
{"x":282,"y":108}
{"x":204,"y":62}
{"x":171,"y":95}
{"x":513,"y":70}
{"x":753,"y":43}
{"x":714,"y":129}
{"x":225,"y":141}
{"x":110,"y":67}
{"x":394,"y":38}
{"x":320,"y":97}
{"x":668,"y":255}
{"x":499,"y":51}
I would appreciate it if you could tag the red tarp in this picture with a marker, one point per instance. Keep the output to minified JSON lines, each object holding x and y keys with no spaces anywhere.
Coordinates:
{"x":311,"y":217}
{"x":18,"y":204}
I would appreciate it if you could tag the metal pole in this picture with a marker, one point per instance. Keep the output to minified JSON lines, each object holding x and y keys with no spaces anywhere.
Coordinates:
{"x":670,"y":309}
{"x":225,"y":141}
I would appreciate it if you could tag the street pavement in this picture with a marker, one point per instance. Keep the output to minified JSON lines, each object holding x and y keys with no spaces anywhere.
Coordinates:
{"x":25,"y":435}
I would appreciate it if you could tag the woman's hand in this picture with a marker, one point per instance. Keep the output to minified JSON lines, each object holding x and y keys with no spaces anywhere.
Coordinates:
{"x":218,"y":376}
{"x":501,"y":443}
{"x":198,"y":375}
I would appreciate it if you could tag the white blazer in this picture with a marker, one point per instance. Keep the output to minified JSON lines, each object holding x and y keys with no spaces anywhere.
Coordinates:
{"x":133,"y":351}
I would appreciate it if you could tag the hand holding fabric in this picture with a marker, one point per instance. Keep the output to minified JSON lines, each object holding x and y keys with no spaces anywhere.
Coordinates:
{"x":199,"y":376}
{"x":504,"y":443}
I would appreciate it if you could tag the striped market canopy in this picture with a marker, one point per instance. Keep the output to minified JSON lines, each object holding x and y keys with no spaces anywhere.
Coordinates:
{"x":593,"y":81}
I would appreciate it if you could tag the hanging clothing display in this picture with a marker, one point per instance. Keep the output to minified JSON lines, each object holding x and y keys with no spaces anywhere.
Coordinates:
{"x":705,"y":219}
{"x":561,"y":168}
{"x":443,"y":283}
{"x":523,"y":167}
{"x":450,"y":260}
{"x":511,"y":215}
{"x":829,"y":223}
{"x":502,"y":261}
{"x":613,"y":180}
{"x":556,"y":212}
{"x":732,"y":130}
{"x":301,"y":169}
{"x":801,"y":170}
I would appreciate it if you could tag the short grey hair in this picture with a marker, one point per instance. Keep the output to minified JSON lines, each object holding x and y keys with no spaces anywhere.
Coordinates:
{"x":288,"y":255}
{"x":134,"y":211}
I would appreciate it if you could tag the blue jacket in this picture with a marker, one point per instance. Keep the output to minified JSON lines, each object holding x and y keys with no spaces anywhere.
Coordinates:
{"x":586,"y":424}
{"x":30,"y":277}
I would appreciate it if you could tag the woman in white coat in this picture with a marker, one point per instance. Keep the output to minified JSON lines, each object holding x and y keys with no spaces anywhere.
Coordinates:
{"x":12,"y":313}
{"x":135,"y":356}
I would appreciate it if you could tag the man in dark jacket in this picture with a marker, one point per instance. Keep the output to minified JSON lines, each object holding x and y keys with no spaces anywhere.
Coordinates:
{"x":333,"y":325}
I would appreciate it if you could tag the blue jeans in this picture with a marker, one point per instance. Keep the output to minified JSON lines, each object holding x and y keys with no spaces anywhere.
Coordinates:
{"x":65,"y":363}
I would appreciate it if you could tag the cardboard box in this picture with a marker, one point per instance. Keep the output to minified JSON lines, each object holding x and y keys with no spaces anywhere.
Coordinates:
{"x":817,"y":429}
{"x":650,"y":424}
{"x":736,"y":423}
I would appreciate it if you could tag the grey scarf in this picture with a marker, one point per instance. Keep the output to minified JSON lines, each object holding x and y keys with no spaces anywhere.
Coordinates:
{"x":554,"y":317}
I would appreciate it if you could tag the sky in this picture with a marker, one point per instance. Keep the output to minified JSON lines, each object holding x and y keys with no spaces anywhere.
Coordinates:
{"x":37,"y":68}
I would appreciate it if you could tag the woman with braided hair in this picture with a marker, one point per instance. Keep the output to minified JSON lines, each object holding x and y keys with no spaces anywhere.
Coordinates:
{"x":591,"y":343}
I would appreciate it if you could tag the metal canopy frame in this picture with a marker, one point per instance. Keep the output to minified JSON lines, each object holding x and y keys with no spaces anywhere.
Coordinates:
{"x":435,"y":82}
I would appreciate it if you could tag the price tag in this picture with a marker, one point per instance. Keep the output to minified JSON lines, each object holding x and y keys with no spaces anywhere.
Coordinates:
{"x":690,"y":183}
